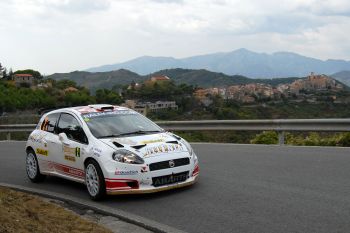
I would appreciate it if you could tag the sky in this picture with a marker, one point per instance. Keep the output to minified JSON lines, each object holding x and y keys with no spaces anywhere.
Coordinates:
{"x":66,"y":35}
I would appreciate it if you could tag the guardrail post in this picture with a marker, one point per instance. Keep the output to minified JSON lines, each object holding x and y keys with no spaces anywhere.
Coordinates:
{"x":281,"y":138}
{"x":8,"y":136}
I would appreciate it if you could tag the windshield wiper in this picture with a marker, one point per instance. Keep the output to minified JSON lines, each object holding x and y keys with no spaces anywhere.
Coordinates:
{"x":109,"y":136}
{"x":140,"y":132}
{"x":130,"y":133}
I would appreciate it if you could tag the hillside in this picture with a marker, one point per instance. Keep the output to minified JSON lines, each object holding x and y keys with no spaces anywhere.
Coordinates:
{"x":242,"y":61}
{"x":201,"y":78}
{"x":343,"y":76}
{"x":99,"y":80}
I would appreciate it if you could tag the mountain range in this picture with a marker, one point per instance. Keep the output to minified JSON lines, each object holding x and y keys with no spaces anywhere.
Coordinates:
{"x":238,"y":62}
{"x":201,"y":78}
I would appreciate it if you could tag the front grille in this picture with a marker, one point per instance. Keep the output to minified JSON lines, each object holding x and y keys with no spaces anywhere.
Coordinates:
{"x":170,"y":179}
{"x":165,"y":164}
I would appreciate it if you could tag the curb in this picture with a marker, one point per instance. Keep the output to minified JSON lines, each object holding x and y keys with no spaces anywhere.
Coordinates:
{"x":127,"y":217}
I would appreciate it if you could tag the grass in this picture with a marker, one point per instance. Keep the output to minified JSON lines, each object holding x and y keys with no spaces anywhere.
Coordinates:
{"x":21,"y":212}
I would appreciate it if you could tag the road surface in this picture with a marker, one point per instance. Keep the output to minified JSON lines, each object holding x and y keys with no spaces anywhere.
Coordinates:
{"x":242,"y":188}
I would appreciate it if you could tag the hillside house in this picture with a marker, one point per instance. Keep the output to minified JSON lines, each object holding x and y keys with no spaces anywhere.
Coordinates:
{"x":159,"y":78}
{"x":23,"y":80}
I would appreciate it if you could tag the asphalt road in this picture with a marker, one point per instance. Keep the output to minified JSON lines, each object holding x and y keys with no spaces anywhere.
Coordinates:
{"x":242,"y":188}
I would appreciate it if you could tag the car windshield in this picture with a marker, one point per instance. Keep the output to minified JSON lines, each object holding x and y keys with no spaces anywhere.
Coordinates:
{"x":119,"y":123}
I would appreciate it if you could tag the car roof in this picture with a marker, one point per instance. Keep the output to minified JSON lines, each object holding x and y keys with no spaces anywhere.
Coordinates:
{"x":79,"y":110}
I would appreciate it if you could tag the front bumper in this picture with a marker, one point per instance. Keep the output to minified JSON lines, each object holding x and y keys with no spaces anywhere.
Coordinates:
{"x":152,"y":176}
{"x":111,"y":190}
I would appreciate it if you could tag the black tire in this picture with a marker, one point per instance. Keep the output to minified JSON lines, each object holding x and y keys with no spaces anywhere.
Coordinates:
{"x":32,"y":168}
{"x":95,"y":193}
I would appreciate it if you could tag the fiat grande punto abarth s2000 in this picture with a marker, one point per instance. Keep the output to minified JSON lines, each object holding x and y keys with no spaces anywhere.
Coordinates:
{"x":112,"y":149}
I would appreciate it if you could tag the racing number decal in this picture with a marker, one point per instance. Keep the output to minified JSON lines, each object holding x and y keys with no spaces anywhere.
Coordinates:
{"x":77,"y":152}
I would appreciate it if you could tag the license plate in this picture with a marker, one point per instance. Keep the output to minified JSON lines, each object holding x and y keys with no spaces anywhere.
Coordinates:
{"x":169,"y":179}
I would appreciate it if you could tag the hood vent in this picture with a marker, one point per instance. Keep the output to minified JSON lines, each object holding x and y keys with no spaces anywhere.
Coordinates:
{"x":173,"y":142}
{"x":176,"y":137}
{"x":139,"y":146}
{"x":118,"y":144}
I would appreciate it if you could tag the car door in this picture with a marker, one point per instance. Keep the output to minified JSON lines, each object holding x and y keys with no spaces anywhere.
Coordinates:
{"x":48,"y":141}
{"x":73,"y":144}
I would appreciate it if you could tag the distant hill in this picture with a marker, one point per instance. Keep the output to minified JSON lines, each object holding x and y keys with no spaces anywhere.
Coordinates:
{"x":239,"y":62}
{"x":343,"y":76}
{"x":99,"y":80}
{"x":201,"y":78}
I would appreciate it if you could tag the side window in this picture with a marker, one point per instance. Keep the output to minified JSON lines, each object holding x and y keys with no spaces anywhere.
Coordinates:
{"x":71,"y":127}
{"x":49,"y":123}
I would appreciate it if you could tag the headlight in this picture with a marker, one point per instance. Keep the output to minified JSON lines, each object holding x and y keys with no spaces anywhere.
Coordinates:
{"x":126,"y":156}
{"x":188,"y":146}
{"x":190,"y":150}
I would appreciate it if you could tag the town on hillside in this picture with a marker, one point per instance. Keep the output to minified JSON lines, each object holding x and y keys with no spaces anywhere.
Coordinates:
{"x":308,"y":89}
{"x":300,"y":90}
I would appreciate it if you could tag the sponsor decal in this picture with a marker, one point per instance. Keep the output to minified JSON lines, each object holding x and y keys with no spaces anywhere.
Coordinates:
{"x":71,"y":153}
{"x":96,"y":151}
{"x":145,"y":182}
{"x":174,"y":178}
{"x":42,"y":152}
{"x":125,"y":173}
{"x":125,"y":141}
{"x":37,"y":138}
{"x":152,"y":141}
{"x":67,"y":170}
{"x":108,"y":113}
{"x":69,"y":158}
{"x":164,"y":148}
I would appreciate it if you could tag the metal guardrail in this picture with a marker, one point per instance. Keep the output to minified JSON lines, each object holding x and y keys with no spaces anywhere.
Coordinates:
{"x":279,"y":125}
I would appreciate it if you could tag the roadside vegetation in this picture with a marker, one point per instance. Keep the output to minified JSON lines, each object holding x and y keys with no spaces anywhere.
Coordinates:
{"x":304,"y":139}
{"x":23,"y":104}
{"x":21,"y":212}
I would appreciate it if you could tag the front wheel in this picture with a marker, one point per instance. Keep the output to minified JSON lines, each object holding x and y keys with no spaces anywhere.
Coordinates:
{"x":32,"y":168}
{"x":94,"y":180}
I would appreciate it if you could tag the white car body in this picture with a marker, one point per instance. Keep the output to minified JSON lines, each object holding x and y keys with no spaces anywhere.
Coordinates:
{"x":169,"y":161}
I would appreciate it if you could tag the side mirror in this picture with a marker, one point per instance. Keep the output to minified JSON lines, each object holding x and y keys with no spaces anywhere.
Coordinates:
{"x":63,"y":137}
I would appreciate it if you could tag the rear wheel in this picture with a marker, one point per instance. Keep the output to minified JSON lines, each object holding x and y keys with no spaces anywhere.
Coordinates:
{"x":95,"y":182}
{"x":32,"y":168}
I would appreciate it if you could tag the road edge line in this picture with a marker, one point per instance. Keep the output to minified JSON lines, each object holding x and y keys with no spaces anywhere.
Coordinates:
{"x":145,"y":223}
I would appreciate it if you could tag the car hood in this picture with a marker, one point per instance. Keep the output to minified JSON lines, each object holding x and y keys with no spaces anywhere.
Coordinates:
{"x":148,"y":145}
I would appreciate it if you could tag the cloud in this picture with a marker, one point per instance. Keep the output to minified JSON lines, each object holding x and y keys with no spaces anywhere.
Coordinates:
{"x":65,"y":35}
{"x":82,"y":6}
{"x":168,"y":1}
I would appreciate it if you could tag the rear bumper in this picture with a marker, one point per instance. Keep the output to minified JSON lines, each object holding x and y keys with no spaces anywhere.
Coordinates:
{"x":150,"y":189}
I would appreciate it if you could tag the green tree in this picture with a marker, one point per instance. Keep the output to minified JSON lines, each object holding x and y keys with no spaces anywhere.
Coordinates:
{"x":108,"y":96}
{"x":65,"y":83}
{"x":1,"y":71}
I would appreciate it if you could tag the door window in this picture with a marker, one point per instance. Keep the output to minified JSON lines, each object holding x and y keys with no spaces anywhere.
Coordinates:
{"x":49,"y":123}
{"x":71,"y":127}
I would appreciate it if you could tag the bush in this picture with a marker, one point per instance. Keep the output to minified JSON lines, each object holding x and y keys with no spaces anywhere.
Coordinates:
{"x":266,"y":137}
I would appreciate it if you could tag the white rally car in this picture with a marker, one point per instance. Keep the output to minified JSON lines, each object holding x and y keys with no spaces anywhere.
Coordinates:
{"x":112,"y":149}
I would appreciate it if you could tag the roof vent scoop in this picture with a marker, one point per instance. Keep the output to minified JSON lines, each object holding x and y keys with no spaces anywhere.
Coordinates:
{"x":102,"y":107}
